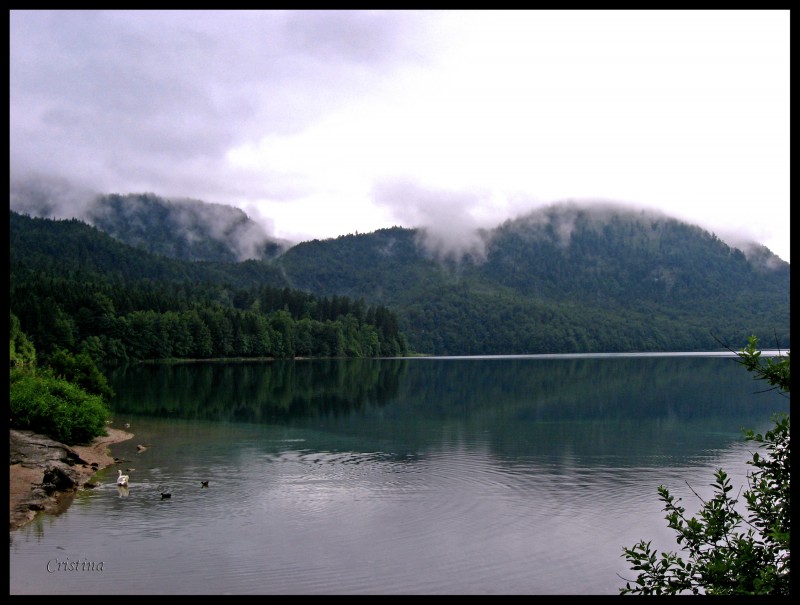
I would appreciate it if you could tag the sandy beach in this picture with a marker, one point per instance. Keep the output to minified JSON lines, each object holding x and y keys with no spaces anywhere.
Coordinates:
{"x":26,"y":496}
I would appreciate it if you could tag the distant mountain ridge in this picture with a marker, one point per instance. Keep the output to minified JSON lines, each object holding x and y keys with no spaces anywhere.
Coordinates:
{"x":183,"y":229}
{"x":566,"y":279}
{"x":563,"y":279}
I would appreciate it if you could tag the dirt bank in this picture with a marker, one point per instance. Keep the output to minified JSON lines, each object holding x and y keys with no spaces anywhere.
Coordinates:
{"x":45,"y":474}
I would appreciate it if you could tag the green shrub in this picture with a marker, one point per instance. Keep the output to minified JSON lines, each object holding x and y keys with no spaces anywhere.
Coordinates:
{"x":21,"y":350}
{"x":81,"y":370}
{"x":726,"y":552}
{"x":63,"y":411}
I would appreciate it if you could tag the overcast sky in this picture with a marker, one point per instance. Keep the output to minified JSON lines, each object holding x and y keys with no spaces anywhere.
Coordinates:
{"x":323,"y":123}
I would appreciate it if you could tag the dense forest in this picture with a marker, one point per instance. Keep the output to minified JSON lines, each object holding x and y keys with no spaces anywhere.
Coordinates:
{"x":621,"y":282}
{"x":75,"y":288}
{"x":565,"y":279}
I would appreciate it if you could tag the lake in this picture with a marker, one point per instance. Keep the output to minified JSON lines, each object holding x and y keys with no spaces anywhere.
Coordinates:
{"x":480,"y":475}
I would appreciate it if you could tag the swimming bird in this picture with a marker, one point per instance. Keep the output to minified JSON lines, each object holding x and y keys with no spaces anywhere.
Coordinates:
{"x":141,"y":448}
{"x":165,"y":495}
{"x":204,"y":483}
{"x":122,"y":479}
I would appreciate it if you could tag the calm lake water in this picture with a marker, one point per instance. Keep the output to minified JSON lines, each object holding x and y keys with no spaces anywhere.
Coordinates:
{"x":493,"y":475}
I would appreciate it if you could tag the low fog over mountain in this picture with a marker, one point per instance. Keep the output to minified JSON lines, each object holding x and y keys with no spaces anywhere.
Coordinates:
{"x":195,"y":230}
{"x":177,"y":228}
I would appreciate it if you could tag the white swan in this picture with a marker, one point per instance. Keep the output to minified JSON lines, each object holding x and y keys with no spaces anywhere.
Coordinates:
{"x":122,"y":479}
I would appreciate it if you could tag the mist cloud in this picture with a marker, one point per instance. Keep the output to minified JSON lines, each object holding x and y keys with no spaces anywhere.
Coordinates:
{"x":324,"y":121}
{"x":446,"y":219}
{"x":122,"y":100}
{"x":50,"y":197}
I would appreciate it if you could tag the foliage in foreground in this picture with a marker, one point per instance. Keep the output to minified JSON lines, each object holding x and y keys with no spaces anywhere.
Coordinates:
{"x":64,"y":401}
{"x":52,"y":406}
{"x":728,"y":553}
{"x":81,"y":370}
{"x":21,"y":349}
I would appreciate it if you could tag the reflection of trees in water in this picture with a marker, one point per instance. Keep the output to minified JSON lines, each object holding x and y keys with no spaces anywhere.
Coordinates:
{"x":530,"y":391}
{"x":256,"y":391}
{"x":585,"y":388}
{"x":619,"y":405}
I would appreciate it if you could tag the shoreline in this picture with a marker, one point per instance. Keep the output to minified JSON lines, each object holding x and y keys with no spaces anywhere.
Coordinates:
{"x":45,"y":475}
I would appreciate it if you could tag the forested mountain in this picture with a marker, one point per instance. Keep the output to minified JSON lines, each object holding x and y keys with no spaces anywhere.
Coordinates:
{"x":182,"y":229}
{"x":71,"y":246}
{"x":563,"y":279}
{"x":77,"y":289}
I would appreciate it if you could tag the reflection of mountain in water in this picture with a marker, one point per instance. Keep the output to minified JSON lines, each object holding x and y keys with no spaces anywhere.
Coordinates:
{"x":256,"y":391}
{"x":590,"y":405}
{"x":528,"y":389}
{"x":627,"y":408}
{"x":584,"y":388}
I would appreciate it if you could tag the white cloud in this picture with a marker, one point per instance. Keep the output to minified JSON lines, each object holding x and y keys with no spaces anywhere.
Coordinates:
{"x":309,"y":118}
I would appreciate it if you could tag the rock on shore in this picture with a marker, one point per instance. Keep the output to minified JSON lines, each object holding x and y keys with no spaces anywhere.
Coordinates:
{"x":45,"y":474}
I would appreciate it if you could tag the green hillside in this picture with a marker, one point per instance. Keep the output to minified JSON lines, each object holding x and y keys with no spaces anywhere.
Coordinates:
{"x":563,"y":279}
{"x":75,"y":288}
